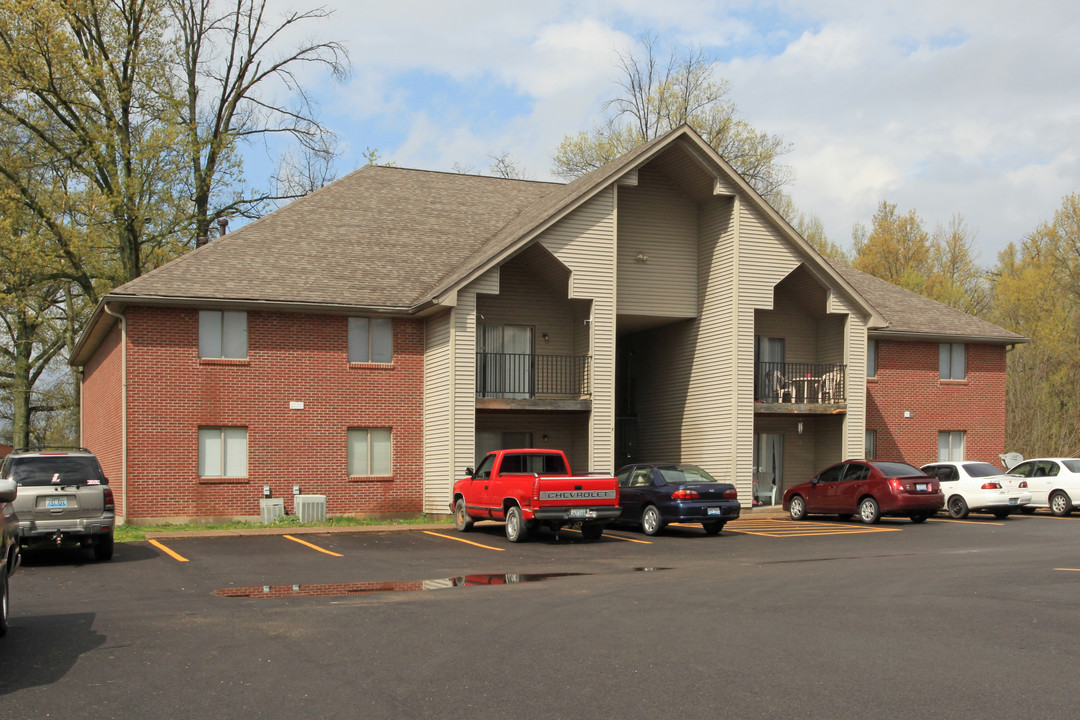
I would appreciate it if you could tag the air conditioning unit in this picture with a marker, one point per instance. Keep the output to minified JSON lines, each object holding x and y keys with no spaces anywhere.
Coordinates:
{"x":310,"y":508}
{"x":271,"y":510}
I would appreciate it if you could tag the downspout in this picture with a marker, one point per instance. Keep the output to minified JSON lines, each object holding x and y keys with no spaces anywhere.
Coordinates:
{"x":123,"y":413}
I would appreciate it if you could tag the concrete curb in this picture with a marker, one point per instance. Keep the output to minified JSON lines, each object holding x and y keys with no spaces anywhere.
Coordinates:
{"x":771,"y":512}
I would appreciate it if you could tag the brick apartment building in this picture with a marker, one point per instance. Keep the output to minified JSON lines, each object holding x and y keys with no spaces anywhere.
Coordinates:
{"x":371,"y":340}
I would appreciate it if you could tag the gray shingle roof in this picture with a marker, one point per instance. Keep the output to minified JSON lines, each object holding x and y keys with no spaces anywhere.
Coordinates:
{"x":909,"y":313}
{"x":376,"y":238}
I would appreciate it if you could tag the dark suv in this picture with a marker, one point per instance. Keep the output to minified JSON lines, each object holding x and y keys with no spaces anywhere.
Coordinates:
{"x":63,"y":497}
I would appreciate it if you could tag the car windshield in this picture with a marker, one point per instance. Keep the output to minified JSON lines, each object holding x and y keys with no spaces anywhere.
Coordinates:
{"x":56,"y":470}
{"x":981,"y":469}
{"x":895,"y":469}
{"x":683,"y":474}
{"x":1072,"y":465}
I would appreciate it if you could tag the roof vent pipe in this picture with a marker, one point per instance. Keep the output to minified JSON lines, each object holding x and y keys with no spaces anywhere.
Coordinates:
{"x":223,"y":225}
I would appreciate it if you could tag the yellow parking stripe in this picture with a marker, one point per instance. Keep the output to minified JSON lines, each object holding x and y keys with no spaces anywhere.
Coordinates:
{"x":176,"y":556}
{"x":313,"y":547}
{"x":467,"y":542}
{"x":790,"y":528}
{"x":1068,"y":569}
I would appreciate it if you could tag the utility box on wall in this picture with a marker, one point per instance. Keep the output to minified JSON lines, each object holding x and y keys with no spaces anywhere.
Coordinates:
{"x":310,"y":508}
{"x":271,"y":510}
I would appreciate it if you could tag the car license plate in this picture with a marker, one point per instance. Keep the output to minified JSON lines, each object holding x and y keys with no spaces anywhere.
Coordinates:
{"x":920,"y":487}
{"x":56,"y":502}
{"x":712,"y":511}
{"x":1014,"y":501}
{"x":579,"y":512}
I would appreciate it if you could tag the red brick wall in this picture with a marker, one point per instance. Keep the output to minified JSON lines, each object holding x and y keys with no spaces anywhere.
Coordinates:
{"x":291,"y":358}
{"x":907,"y":380}
{"x":102,"y":416}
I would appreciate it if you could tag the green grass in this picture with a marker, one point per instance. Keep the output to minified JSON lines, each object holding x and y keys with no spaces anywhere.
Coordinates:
{"x":132,"y":533}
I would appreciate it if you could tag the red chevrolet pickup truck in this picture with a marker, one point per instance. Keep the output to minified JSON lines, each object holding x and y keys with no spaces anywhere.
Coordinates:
{"x":528,"y":488}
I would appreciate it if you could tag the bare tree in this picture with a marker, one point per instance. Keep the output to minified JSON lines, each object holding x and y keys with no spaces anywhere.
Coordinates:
{"x":503,"y":165}
{"x":231,"y":61}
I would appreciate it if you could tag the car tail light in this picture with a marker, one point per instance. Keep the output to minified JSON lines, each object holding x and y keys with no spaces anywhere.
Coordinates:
{"x":685,"y":494}
{"x":1023,"y":484}
{"x":110,"y":504}
{"x":896,"y":485}
{"x":731,"y":493}
{"x":536,"y":493}
{"x":991,"y":486}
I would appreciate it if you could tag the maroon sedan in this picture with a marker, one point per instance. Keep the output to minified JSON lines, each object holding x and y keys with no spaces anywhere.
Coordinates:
{"x":869,"y":488}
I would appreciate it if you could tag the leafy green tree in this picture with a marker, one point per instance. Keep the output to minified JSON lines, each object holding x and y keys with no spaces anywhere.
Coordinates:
{"x":895,"y":248}
{"x":655,"y":97}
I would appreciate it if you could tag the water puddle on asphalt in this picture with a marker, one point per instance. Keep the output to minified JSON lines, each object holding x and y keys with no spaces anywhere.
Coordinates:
{"x":278,"y":592}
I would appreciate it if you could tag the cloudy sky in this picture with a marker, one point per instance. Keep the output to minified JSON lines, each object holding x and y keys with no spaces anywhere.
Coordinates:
{"x":968,"y":107}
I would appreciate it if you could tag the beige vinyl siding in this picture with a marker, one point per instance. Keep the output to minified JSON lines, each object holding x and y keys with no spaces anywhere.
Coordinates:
{"x":584,"y":241}
{"x":686,"y":403}
{"x":525,"y":299}
{"x":658,"y":250}
{"x":463,"y":342}
{"x":438,"y":366}
{"x":564,"y":431}
{"x":854,"y":431}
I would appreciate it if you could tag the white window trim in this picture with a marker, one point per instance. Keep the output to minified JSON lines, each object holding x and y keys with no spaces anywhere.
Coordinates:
{"x":222,"y":332}
{"x":224,"y":443}
{"x":370,"y":471}
{"x":947,"y":449}
{"x":372,"y":332}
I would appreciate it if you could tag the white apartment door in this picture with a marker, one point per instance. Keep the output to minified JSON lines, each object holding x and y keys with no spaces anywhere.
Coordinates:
{"x":769,"y":468}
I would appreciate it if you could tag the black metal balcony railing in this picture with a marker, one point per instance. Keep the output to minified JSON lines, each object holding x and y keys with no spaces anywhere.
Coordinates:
{"x":823,"y":383}
{"x":521,"y":375}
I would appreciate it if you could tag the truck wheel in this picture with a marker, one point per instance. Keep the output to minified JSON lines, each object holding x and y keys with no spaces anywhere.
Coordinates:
{"x":516,"y":528}
{"x":592,"y":531}
{"x":462,"y":521}
{"x":651,"y":522}
{"x":104,"y":548}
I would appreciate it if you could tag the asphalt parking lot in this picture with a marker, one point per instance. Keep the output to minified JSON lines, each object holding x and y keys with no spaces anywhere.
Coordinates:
{"x":771,"y":619}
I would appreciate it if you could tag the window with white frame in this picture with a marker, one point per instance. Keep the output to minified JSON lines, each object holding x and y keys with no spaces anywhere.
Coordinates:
{"x":371,"y":340}
{"x":950,"y":445}
{"x":870,"y":444}
{"x":871,"y":358}
{"x":952,"y":364}
{"x":368,"y":452}
{"x":223,"y":452}
{"x":223,"y":334}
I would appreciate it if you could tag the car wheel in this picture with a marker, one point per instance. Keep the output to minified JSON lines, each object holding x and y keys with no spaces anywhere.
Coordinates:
{"x":713,"y":528}
{"x":797,"y":508}
{"x":1028,"y":509}
{"x":104,"y":549}
{"x":958,"y":507}
{"x":843,"y":516}
{"x":3,"y":600}
{"x":651,"y":522}
{"x":462,"y":521}
{"x":919,"y":517}
{"x":592,"y":531}
{"x":869,"y":512}
{"x":1059,"y":503}
{"x":1001,"y":513}
{"x":516,"y":529}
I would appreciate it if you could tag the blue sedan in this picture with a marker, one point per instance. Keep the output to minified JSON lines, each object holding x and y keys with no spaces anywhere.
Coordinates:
{"x":651,"y":496}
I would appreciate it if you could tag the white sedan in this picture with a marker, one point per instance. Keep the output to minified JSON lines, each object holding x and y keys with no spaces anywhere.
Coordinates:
{"x":1054,"y":483}
{"x":978,"y":487}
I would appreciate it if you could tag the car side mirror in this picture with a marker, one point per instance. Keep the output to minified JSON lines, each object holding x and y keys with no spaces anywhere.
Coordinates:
{"x":815,"y":481}
{"x":8,"y":490}
{"x":470,"y":472}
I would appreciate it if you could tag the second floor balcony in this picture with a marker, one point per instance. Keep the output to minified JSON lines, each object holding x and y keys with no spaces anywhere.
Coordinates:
{"x":801,"y":383}
{"x":525,"y":376}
